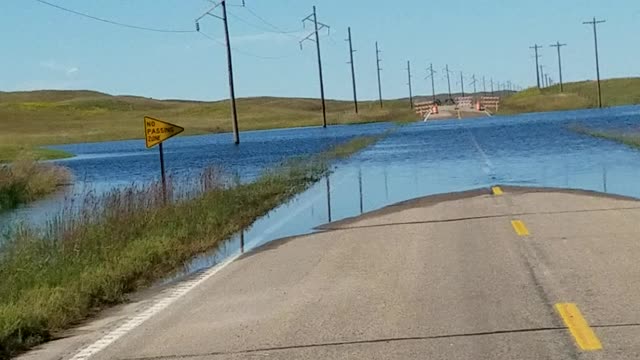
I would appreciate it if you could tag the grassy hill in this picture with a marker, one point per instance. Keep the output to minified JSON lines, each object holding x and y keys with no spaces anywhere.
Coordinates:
{"x":579,"y":95}
{"x":36,"y":118}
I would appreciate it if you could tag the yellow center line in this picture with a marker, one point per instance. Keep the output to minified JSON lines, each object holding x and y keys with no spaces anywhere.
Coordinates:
{"x":584,"y":336}
{"x":520,"y":228}
{"x":497,"y":191}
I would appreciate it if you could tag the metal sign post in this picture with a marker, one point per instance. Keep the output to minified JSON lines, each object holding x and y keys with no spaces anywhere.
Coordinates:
{"x":156,"y":132}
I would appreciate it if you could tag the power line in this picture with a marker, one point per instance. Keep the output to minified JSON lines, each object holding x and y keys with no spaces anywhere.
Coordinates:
{"x":113,"y":22}
{"x":244,"y":52}
{"x":274,"y":27}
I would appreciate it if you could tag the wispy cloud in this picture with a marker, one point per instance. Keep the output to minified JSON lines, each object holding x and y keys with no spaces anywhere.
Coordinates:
{"x":60,"y":68}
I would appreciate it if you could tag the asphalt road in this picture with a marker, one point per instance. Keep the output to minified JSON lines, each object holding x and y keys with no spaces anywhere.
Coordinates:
{"x":529,"y":274}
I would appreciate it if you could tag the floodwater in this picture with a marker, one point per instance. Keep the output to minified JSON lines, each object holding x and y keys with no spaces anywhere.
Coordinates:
{"x":415,"y":160}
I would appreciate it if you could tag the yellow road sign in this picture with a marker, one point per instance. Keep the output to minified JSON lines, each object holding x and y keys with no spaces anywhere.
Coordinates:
{"x":157,"y":131}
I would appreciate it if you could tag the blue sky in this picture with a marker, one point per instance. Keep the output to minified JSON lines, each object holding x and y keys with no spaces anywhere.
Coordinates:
{"x":45,"y":48}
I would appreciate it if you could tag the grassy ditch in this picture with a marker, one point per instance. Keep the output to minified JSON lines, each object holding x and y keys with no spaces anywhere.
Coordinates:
{"x":27,"y":180}
{"x":127,"y":239}
{"x":632,"y":139}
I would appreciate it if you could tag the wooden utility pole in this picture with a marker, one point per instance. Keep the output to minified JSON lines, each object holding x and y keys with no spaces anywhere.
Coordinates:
{"x":595,"y":23}
{"x":353,"y":72}
{"x":378,"y":61}
{"x":536,"y":47}
{"x":409,"y":83}
{"x":316,"y":33}
{"x":558,"y":45}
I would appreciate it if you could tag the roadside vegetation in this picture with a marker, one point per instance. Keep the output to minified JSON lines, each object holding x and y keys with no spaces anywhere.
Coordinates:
{"x":629,"y":139}
{"x":90,"y":258}
{"x":27,"y":180}
{"x":578,"y":95}
{"x":33,"y":119}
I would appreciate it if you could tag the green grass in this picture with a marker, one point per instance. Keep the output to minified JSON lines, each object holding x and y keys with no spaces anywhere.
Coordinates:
{"x":34,"y":119}
{"x":27,"y":180}
{"x":10,"y":153}
{"x":126,"y":240}
{"x":579,"y":95}
{"x":629,"y":139}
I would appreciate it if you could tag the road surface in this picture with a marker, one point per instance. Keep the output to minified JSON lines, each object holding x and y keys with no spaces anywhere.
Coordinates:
{"x":510,"y":273}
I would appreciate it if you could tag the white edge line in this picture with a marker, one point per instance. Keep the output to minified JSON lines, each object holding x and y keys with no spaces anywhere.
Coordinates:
{"x":158,"y":306}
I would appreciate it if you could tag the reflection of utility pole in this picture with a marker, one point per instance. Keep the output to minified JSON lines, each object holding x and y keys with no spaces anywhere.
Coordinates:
{"x":353,"y":71}
{"x":328,"y":198}
{"x":360,"y":188}
{"x":433,"y":84}
{"x":378,"y":61}
{"x":409,"y":83}
{"x":232,"y":91}
{"x":449,"y":80}
{"x":559,"y":45}
{"x":316,"y":33}
{"x":595,"y":38}
{"x":536,"y":47}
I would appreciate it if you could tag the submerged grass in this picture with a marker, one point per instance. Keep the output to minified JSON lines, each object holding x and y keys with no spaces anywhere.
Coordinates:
{"x":629,"y":139}
{"x":127,"y":239}
{"x":27,"y":180}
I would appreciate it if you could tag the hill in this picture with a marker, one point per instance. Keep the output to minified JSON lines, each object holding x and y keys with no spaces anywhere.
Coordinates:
{"x":36,"y":118}
{"x":578,"y":95}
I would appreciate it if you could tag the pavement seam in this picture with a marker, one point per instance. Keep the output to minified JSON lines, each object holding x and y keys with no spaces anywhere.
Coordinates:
{"x":355,"y":342}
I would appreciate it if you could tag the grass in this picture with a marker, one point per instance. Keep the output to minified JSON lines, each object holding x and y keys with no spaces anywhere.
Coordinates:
{"x":578,"y":95}
{"x":629,"y":139}
{"x":27,"y":180}
{"x":34,"y":119}
{"x":126,"y":240}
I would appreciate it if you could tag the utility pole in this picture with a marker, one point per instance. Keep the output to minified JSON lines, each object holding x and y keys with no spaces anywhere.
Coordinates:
{"x":378,"y":61}
{"x":232,"y":90}
{"x":595,"y":23}
{"x":484,"y":86}
{"x":462,"y":83}
{"x":558,"y":45}
{"x":316,"y":33}
{"x":449,"y":81}
{"x":542,"y":74}
{"x":474,"y":82}
{"x":433,"y":84}
{"x":536,"y":47}
{"x":353,"y":72}
{"x":409,"y":83}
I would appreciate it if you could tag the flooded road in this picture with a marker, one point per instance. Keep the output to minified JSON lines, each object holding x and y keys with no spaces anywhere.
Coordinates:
{"x":415,"y":160}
